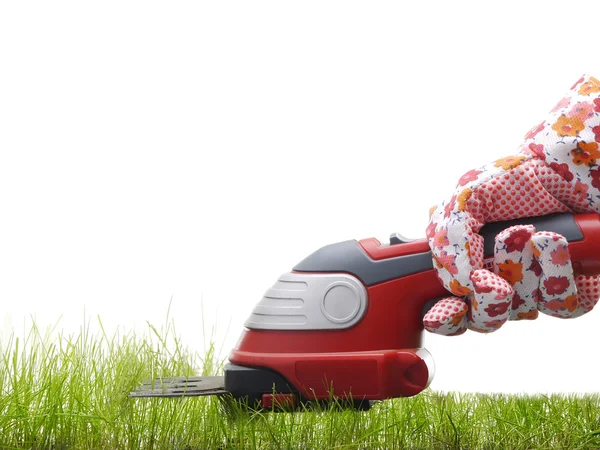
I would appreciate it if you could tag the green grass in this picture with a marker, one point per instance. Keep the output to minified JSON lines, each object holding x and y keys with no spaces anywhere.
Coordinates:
{"x":70,"y":392}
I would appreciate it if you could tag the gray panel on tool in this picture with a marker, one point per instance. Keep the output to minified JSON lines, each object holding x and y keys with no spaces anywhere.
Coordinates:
{"x":349,"y":257}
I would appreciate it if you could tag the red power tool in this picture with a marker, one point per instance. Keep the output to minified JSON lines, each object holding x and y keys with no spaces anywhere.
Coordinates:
{"x":346,"y":323}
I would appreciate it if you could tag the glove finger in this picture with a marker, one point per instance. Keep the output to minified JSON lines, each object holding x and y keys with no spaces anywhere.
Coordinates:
{"x":447,"y":317}
{"x":588,"y":292}
{"x":557,"y":294}
{"x":514,"y":261}
{"x":489,"y":305}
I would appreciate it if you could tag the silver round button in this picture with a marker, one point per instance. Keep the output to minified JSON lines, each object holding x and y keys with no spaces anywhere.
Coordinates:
{"x":341,"y":302}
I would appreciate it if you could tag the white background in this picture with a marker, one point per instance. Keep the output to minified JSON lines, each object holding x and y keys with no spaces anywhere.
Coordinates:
{"x":195,"y":150}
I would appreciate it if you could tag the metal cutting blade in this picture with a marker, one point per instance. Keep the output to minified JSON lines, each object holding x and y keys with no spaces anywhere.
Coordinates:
{"x":181,"y":387}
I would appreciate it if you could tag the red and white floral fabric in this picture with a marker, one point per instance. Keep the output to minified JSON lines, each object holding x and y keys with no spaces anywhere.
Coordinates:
{"x":554,"y":170}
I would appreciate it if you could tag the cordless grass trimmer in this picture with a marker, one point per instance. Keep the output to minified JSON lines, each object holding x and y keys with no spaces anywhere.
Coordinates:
{"x":347,"y":322}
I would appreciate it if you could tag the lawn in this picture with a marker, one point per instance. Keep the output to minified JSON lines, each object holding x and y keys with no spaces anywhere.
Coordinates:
{"x":70,"y":392}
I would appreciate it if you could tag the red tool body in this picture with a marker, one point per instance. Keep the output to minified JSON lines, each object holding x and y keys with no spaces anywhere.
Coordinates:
{"x":381,"y":356}
{"x":375,"y":359}
{"x":346,"y":322}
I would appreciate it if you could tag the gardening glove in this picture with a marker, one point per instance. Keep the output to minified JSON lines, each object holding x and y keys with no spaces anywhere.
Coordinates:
{"x":554,"y":171}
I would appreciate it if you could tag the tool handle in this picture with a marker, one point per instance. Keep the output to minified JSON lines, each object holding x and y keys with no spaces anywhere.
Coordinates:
{"x":582,"y":231}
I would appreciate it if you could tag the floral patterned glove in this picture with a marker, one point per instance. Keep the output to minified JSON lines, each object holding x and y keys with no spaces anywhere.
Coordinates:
{"x":554,"y":171}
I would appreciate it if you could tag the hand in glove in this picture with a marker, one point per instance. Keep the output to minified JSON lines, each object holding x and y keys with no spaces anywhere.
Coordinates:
{"x":554,"y":171}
